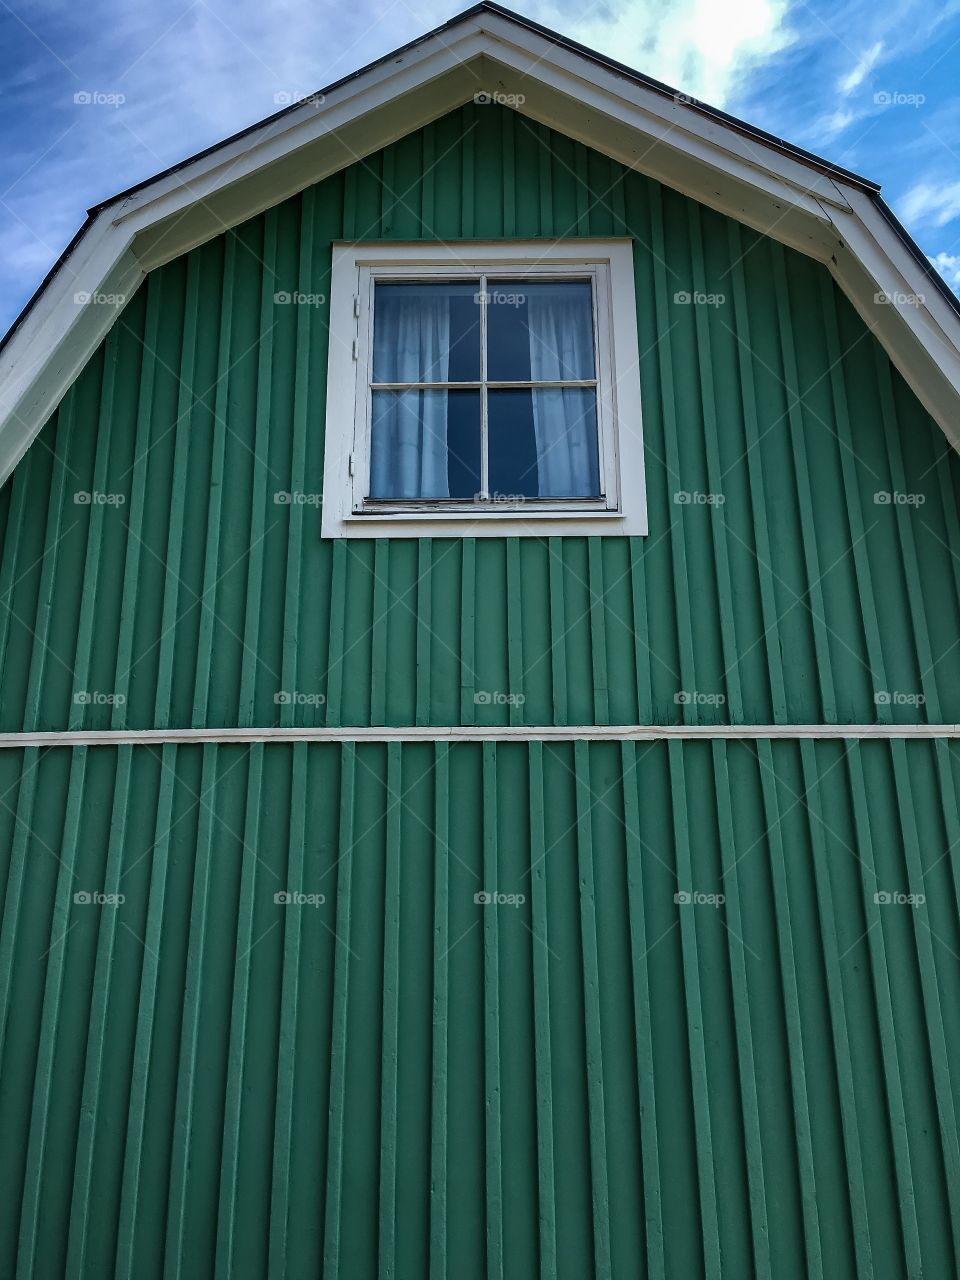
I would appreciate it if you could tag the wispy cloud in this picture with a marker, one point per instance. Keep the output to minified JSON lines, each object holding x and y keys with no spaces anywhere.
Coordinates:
{"x":931,"y":204}
{"x":831,"y":126}
{"x":856,"y":76}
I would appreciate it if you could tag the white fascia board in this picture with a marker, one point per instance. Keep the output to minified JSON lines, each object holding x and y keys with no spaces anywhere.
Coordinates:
{"x":895,"y":270}
{"x":61,"y":332}
{"x":922,"y":372}
{"x":258,"y":187}
{"x":916,"y":326}
{"x":386,"y":86}
{"x":758,"y":200}
{"x":596,"y":87}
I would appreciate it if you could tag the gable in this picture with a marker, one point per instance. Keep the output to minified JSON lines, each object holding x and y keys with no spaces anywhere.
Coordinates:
{"x":195,"y":598}
{"x":835,"y":217}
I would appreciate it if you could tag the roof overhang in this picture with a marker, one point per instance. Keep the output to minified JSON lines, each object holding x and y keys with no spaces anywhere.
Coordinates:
{"x":801,"y":200}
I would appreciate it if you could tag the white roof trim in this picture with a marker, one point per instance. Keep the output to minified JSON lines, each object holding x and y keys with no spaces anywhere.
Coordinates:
{"x":804,"y":205}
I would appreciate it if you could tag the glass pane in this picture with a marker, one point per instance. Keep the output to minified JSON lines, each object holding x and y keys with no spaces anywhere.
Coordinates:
{"x":539,"y":331}
{"x":426,"y":332}
{"x":425,"y":444}
{"x":543,"y":443}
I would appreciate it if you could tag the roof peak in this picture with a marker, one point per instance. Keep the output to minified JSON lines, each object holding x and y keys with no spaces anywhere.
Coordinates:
{"x":501,"y":11}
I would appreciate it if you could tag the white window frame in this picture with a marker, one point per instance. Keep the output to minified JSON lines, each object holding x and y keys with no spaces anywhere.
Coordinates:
{"x":608,"y":264}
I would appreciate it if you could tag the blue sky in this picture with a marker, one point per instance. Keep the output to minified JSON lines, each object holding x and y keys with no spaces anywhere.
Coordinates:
{"x":873,"y":87}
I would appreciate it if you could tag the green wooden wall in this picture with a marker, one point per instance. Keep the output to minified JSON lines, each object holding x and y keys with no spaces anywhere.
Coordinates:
{"x":398,"y":1081}
{"x":390,"y":1078}
{"x":198,"y":599}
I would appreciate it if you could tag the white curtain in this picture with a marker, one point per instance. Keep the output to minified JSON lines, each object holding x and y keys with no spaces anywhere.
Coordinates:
{"x":564,"y":422}
{"x":409,"y":429}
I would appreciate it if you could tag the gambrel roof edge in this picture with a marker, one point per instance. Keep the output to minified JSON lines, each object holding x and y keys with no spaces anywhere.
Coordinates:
{"x":824,"y":211}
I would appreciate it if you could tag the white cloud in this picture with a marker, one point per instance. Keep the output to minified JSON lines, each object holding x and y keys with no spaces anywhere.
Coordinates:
{"x":930,"y":204}
{"x":701,"y":47}
{"x":855,"y":78}
{"x":948,"y":264}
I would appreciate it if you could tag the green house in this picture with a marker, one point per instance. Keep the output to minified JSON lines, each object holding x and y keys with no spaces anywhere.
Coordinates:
{"x":479,"y":699}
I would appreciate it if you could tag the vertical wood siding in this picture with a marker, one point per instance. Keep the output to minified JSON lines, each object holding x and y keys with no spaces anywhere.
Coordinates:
{"x":397,"y":1080}
{"x":199,"y":599}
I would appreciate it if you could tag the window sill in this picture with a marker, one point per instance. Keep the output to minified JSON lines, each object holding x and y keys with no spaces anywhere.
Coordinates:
{"x":482,"y":524}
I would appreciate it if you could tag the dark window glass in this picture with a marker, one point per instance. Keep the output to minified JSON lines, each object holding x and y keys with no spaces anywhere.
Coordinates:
{"x":426,"y":332}
{"x":543,"y":442}
{"x":539,"y":331}
{"x":425,"y":444}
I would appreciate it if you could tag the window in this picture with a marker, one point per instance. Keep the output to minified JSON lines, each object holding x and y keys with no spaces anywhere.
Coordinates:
{"x":483,"y":390}
{"x":472,"y":389}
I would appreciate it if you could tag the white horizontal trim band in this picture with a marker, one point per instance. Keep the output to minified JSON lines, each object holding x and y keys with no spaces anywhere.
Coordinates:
{"x":475,"y":733}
